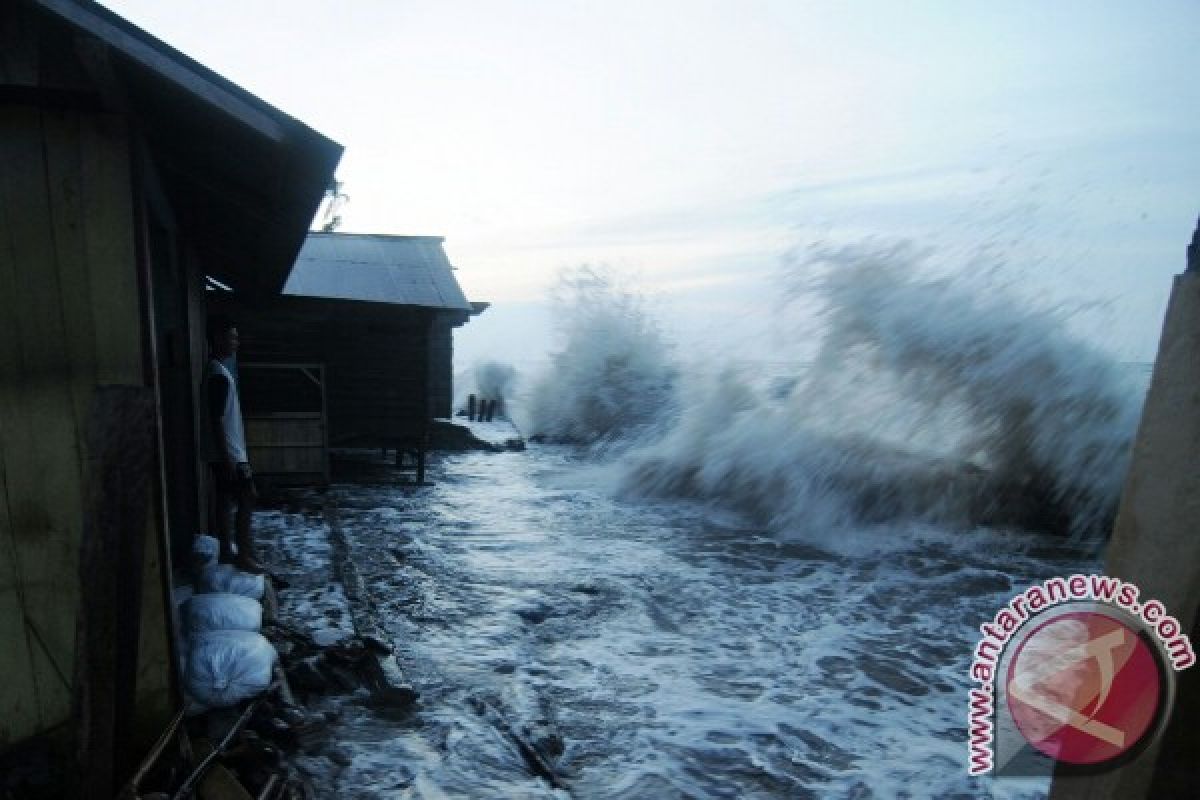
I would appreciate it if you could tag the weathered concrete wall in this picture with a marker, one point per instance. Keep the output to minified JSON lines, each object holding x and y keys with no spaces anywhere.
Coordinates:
{"x":1156,"y":544}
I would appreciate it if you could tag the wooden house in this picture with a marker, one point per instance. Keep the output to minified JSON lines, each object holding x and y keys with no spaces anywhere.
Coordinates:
{"x":128,"y":172}
{"x":356,"y":352}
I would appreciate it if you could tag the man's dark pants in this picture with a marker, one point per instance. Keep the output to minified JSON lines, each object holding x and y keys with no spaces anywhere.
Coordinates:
{"x":230,"y":493}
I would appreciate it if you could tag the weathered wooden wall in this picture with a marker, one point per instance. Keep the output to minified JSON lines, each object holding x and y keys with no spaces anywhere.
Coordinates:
{"x":287,"y":442}
{"x":376,"y":360}
{"x":69,"y":320}
{"x":117,"y":195}
{"x":441,"y":364}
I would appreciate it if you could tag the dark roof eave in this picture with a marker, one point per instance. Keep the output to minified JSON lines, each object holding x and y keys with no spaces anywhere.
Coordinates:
{"x":187,"y":73}
{"x":253,"y":246}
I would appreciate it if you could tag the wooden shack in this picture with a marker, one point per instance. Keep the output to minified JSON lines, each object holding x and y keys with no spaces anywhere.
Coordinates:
{"x":128,"y":172}
{"x":356,"y":352}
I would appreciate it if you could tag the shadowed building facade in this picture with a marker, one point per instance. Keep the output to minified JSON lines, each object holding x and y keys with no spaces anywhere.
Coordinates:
{"x":119,"y":191}
{"x":356,"y":352}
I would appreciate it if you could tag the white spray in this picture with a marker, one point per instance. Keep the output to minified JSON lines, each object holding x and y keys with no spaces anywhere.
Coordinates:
{"x":931,"y":398}
{"x":613,"y":375}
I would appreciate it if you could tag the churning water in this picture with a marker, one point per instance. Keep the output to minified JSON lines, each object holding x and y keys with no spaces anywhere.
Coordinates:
{"x":737,"y":584}
{"x":658,"y":650}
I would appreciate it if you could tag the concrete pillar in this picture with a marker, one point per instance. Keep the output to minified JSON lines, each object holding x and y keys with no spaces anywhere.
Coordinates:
{"x":1156,"y":543}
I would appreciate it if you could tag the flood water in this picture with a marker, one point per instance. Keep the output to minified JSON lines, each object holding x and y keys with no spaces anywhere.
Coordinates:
{"x":665,"y":649}
{"x":743,"y":579}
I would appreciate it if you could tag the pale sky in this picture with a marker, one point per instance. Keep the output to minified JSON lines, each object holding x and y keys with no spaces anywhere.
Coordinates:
{"x":693,"y":143}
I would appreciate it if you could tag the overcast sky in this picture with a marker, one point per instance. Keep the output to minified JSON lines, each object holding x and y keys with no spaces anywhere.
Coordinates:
{"x":694,"y":143}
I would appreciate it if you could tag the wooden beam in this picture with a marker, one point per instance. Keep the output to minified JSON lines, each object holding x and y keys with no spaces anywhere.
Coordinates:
{"x":120,"y":465}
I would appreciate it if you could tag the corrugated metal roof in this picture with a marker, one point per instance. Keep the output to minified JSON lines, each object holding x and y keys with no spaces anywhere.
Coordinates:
{"x":406,"y":270}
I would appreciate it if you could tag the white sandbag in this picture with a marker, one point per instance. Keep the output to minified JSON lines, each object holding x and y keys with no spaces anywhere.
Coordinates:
{"x":225,"y":578}
{"x":205,"y":551}
{"x":222,"y":611}
{"x":226,"y":667}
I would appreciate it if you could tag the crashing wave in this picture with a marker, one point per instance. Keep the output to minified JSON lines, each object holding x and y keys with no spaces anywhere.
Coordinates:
{"x":612,"y":377}
{"x":930,"y":398}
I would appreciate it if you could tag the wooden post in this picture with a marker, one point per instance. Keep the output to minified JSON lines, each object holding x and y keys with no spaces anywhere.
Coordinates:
{"x":471,"y":407}
{"x":491,"y":409}
{"x":120,"y":464}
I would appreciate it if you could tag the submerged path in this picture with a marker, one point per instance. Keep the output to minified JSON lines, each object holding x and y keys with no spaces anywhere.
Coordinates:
{"x":568,"y":644}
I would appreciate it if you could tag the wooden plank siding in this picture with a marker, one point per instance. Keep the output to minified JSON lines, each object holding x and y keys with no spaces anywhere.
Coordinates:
{"x":288,"y":444}
{"x":70,"y":318}
{"x":289,"y":441}
{"x":376,"y":360}
{"x":441,"y":364}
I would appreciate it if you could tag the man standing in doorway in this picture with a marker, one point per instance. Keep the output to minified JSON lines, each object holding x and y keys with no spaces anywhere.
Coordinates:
{"x":225,"y":438}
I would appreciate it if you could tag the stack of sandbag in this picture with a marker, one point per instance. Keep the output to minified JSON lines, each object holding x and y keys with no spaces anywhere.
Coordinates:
{"x":227,"y":578}
{"x":227,"y":667}
{"x":227,"y":659}
{"x":205,"y":551}
{"x":222,"y":611}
